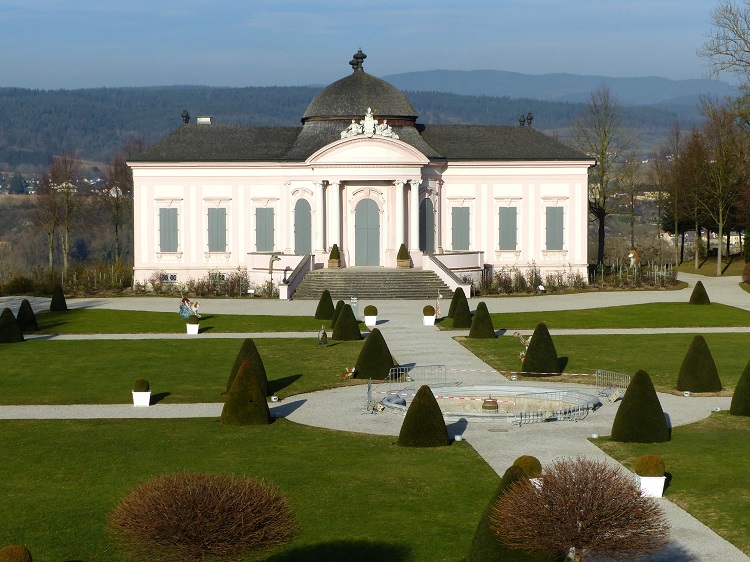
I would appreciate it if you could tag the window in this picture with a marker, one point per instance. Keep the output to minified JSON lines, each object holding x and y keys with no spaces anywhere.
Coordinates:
{"x":168,"y":230}
{"x":264,"y":230}
{"x":217,"y":230}
{"x":507,"y":219}
{"x":460,"y":228}
{"x":554,"y":228}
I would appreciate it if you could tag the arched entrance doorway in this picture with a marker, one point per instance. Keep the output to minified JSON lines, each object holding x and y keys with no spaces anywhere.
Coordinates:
{"x":367,"y":233}
{"x":302,"y":228}
{"x":426,"y":226}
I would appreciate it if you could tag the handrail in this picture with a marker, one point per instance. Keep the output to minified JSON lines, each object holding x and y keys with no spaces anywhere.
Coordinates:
{"x":445,"y":274}
{"x":304,"y":266}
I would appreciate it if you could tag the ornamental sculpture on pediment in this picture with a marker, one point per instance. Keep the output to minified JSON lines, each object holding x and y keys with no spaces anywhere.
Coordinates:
{"x":369,"y":127}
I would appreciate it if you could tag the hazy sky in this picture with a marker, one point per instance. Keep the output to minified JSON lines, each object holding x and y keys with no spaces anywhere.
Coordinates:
{"x":50,"y":44}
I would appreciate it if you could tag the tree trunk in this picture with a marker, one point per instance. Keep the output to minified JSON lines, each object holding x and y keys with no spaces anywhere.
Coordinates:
{"x":698,"y":242}
{"x":682,"y":247}
{"x":51,"y":249}
{"x":600,"y":250}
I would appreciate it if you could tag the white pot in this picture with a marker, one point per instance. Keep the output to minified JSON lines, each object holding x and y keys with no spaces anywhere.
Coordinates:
{"x":371,"y":320}
{"x":141,"y":399}
{"x":428,"y":320}
{"x":652,"y":486}
{"x":192,"y":328}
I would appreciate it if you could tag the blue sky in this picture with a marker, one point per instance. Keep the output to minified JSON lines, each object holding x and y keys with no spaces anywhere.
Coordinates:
{"x":51,"y":44}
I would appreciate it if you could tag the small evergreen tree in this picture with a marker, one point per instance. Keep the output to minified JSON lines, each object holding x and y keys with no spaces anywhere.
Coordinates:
{"x":26,"y":318}
{"x":530,"y":465}
{"x":462,"y":314}
{"x":541,"y":356}
{"x":246,"y":402}
{"x":9,"y":330}
{"x":698,"y":371}
{"x":481,"y":324}
{"x":423,"y":424}
{"x":325,"y":306}
{"x":458,"y":294}
{"x":375,"y":359}
{"x":346,"y":327}
{"x":741,"y":397}
{"x":640,"y":418}
{"x":249,"y":352}
{"x":336,"y":312}
{"x":58,"y":304}
{"x":699,"y":294}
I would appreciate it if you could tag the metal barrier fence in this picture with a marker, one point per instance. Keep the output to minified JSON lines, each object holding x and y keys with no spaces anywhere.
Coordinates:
{"x":610,"y":381}
{"x":411,"y":378}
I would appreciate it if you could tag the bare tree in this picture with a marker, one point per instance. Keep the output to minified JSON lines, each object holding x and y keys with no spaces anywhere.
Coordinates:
{"x":64,"y":176}
{"x":727,"y":48}
{"x":590,"y":506}
{"x":46,"y":215}
{"x":631,"y":183}
{"x":600,"y":133}
{"x":118,"y":199}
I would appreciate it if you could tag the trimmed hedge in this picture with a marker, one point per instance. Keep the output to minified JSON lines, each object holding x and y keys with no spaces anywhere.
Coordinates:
{"x":699,"y":294}
{"x":9,"y":330}
{"x":346,"y":327}
{"x":481,"y":324}
{"x":541,"y":356}
{"x":15,"y":553}
{"x":325,"y":306}
{"x":531,"y":466}
{"x":698,"y":371}
{"x":26,"y":318}
{"x":741,"y":397}
{"x":423,"y":424}
{"x":457,"y":296}
{"x":336,"y":312}
{"x":375,"y":359}
{"x":462,"y":314}
{"x":58,"y":304}
{"x":640,"y":418}
{"x":249,"y":352}
{"x":246,"y":402}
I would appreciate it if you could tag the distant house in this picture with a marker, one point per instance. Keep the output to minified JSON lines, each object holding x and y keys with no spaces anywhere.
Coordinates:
{"x":359,"y":172}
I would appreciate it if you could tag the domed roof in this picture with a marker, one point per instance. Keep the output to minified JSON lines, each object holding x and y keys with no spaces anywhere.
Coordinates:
{"x":350,"y":97}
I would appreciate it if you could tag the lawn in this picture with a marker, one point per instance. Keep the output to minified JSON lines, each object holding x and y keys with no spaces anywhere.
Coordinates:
{"x":357,"y":497}
{"x":103,"y":371}
{"x":660,"y":356}
{"x":707,"y":266}
{"x":708,"y":463}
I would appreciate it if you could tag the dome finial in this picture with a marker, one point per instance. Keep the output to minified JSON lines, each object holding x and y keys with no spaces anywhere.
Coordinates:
{"x":357,"y":60}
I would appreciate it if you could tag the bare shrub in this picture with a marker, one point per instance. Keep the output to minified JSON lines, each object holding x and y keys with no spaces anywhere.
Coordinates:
{"x":588,"y":505}
{"x":184,"y":516}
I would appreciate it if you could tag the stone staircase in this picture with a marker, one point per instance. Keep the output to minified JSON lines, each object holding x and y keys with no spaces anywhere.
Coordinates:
{"x":372,"y":283}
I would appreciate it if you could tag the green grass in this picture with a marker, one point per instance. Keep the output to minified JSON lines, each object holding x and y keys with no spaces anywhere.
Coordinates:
{"x":707,"y":266}
{"x":103,"y":371}
{"x":100,"y":321}
{"x":708,"y":463}
{"x":659,"y":355}
{"x":356,"y":496}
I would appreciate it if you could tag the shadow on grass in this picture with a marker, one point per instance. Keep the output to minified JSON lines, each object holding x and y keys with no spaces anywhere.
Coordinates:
{"x":668,"y":480}
{"x":158,"y":397}
{"x":344,"y":551}
{"x":279,"y":384}
{"x":286,"y":408}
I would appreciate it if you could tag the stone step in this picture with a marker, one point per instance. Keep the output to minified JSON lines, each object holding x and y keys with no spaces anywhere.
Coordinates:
{"x":375,"y":283}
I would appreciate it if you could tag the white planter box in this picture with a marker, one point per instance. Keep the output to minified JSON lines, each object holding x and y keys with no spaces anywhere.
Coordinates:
{"x":141,"y":399}
{"x":192,"y":328}
{"x":652,"y":486}
{"x":428,"y":320}
{"x":371,"y":320}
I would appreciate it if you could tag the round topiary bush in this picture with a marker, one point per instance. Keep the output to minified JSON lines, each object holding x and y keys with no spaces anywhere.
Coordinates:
{"x":58,"y":303}
{"x":423,"y":424}
{"x":141,"y":385}
{"x":531,"y":466}
{"x":462,"y":314}
{"x":741,"y":397}
{"x":481,"y":324}
{"x":541,"y":356}
{"x":698,"y":371}
{"x":375,"y":359}
{"x":649,"y":465}
{"x":428,"y":310}
{"x":15,"y":553}
{"x":325,"y":306}
{"x":249,"y":352}
{"x":188,"y":516}
{"x":458,"y":294}
{"x":246,"y":401}
{"x":346,"y":327}
{"x":371,"y":310}
{"x":336,"y":312}
{"x":640,"y":418}
{"x":699,"y":294}
{"x":26,"y":318}
{"x":9,"y":330}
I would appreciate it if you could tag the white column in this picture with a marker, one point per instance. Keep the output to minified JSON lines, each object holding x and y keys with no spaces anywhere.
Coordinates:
{"x":439,"y":216}
{"x":399,"y":212}
{"x":414,"y":215}
{"x":319,"y":218}
{"x":334,"y":216}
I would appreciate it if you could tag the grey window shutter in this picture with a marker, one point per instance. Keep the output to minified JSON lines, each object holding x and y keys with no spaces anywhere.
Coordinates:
{"x":460,"y":228}
{"x":264,"y":230}
{"x":554,"y":228}
{"x":507,"y":219}
{"x":217,"y":230}
{"x":168,"y":230}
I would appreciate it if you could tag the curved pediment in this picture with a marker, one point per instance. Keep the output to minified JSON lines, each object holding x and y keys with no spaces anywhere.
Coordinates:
{"x":372,"y":151}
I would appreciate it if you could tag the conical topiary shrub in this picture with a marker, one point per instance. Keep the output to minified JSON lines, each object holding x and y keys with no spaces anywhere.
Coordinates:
{"x":458,"y":294}
{"x":336,"y":312}
{"x":462,"y":314}
{"x":346,"y":327}
{"x":375,"y":359}
{"x":246,"y":402}
{"x":58,"y":303}
{"x":423,"y":425}
{"x":530,"y":465}
{"x":541,"y":357}
{"x":15,"y":553}
{"x":9,"y":330}
{"x":699,"y":294}
{"x":487,"y":544}
{"x":481,"y":324}
{"x":698,"y":371}
{"x":26,"y":318}
{"x":741,"y":397}
{"x":249,"y":352}
{"x":639,"y":418}
{"x":325,"y":306}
